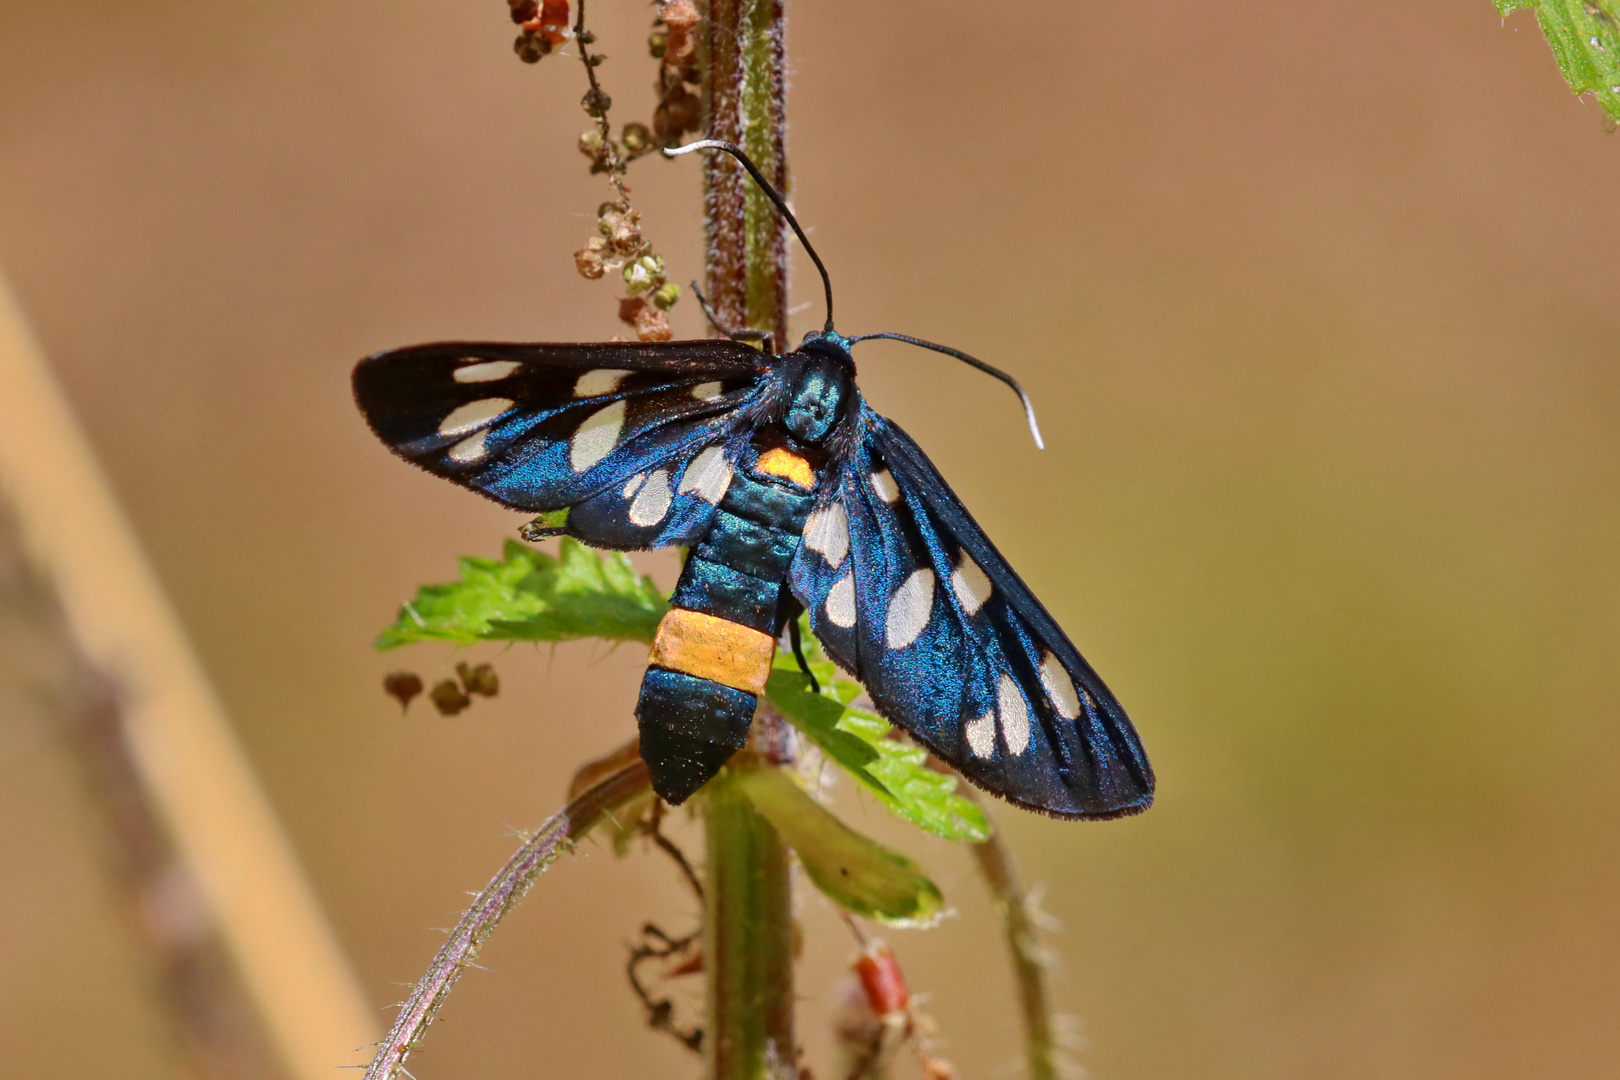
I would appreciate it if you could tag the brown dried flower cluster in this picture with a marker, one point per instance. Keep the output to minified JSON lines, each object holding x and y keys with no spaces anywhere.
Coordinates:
{"x":545,"y":26}
{"x":674,"y":44}
{"x":621,"y":247}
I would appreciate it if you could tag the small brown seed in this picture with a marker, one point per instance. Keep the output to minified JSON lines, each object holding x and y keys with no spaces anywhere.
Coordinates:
{"x":637,"y":139}
{"x":479,"y":679}
{"x":596,"y":102}
{"x":402,"y":686}
{"x":448,"y":698}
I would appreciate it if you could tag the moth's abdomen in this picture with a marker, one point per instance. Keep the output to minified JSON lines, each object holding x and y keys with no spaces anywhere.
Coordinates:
{"x":714,"y":648}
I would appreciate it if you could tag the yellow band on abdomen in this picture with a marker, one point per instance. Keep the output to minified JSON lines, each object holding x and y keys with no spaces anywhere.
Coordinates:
{"x":788,"y":465}
{"x":713,"y":648}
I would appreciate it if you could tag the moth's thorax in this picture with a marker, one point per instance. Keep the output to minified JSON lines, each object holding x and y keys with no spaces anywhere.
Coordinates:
{"x":822,"y":373}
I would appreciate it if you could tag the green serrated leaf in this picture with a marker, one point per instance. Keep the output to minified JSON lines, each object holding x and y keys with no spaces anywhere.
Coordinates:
{"x":1585,"y":40}
{"x":527,"y":595}
{"x":895,"y":772}
{"x":855,"y":872}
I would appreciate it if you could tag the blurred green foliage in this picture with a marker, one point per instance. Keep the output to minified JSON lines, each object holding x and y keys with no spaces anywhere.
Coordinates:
{"x":1585,"y":39}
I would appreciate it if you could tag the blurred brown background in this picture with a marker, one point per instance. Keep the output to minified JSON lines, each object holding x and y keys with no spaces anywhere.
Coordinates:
{"x":1317,"y":303}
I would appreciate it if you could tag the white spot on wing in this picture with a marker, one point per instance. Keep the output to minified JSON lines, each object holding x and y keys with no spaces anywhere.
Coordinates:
{"x":596,"y":437}
{"x":840,"y":604}
{"x":981,"y":735}
{"x":473,"y":415}
{"x":971,"y":585}
{"x":827,"y":532}
{"x":883,"y":483}
{"x":709,"y":475}
{"x":598,"y":382}
{"x":469,"y":449}
{"x":487,"y":371}
{"x":1059,"y":688}
{"x":706,"y":391}
{"x":1014,"y":716}
{"x":652,"y":501}
{"x":909,"y":609}
{"x":633,"y":485}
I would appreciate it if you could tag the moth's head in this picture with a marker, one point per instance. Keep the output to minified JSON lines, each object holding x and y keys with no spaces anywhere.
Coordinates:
{"x":823,"y":371}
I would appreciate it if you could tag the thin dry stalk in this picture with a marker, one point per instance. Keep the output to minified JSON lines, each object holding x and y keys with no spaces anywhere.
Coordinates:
{"x":511,"y":884}
{"x":1043,"y":1052}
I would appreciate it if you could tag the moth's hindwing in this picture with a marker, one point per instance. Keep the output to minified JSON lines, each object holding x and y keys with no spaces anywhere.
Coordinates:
{"x":633,"y":436}
{"x":906,"y":592}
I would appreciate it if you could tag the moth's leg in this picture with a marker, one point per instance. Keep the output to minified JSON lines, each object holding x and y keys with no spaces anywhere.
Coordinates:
{"x":744,"y":335}
{"x":798,"y":654}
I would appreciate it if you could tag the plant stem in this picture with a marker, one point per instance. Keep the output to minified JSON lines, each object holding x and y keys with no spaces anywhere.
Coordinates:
{"x":1042,"y":1054}
{"x":181,"y":744}
{"x":743,"y":103}
{"x":43,"y":670}
{"x":748,"y":941}
{"x":748,"y":926}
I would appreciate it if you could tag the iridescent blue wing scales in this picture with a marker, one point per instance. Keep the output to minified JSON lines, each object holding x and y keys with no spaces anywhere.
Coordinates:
{"x":635,"y":438}
{"x":906,"y":592}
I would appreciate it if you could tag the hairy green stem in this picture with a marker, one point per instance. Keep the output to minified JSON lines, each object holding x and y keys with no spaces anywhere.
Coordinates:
{"x":748,"y":926}
{"x":1041,"y":1050}
{"x":748,"y":942}
{"x":743,"y":102}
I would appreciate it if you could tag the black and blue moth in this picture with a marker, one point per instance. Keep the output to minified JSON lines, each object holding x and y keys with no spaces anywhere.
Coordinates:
{"x":793,"y":495}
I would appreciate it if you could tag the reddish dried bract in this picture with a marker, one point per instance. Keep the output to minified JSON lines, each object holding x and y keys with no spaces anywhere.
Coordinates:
{"x":588,"y":259}
{"x":883,"y":982}
{"x":551,"y":23}
{"x":653,"y":325}
{"x":650,"y":323}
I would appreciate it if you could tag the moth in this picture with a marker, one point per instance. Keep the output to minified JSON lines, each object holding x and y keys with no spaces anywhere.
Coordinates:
{"x":793,"y":496}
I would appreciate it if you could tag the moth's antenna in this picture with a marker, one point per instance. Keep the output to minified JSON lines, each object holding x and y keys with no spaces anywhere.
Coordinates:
{"x":775,"y":197}
{"x":1029,"y":407}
